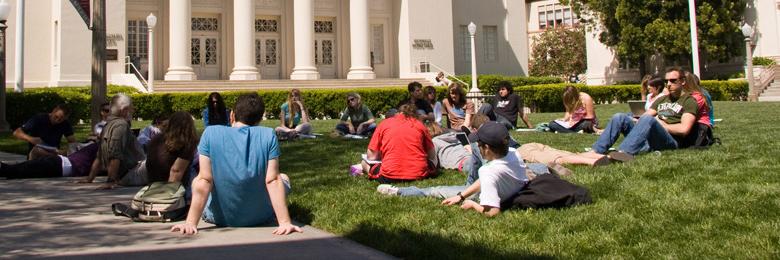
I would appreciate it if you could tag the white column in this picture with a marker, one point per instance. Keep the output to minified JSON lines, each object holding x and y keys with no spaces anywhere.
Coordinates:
{"x":359,"y":41}
{"x":180,"y":41}
{"x":19,"y":69}
{"x":303,"y":14}
{"x":244,"y":41}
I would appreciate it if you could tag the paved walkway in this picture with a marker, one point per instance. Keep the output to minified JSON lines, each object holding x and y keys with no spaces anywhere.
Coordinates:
{"x":56,"y":218}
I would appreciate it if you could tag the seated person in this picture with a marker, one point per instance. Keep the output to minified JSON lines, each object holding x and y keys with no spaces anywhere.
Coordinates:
{"x":652,"y":89}
{"x":74,"y":165}
{"x":149,"y":132}
{"x":105,"y":108}
{"x":580,"y":113}
{"x":356,"y":119}
{"x":404,"y":146}
{"x":499,"y":179}
{"x":171,"y":152}
{"x":119,"y":153}
{"x":459,"y":109}
{"x":441,"y":80}
{"x":215,"y":112}
{"x":666,"y":125}
{"x":239,"y":175}
{"x":294,"y":117}
{"x":47,"y":130}
{"x":506,"y":107}
{"x":416,"y":98}
{"x":430,"y":96}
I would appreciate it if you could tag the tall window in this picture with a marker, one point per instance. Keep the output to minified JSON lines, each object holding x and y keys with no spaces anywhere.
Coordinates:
{"x":465,"y":43}
{"x":491,"y":42}
{"x":556,"y":15}
{"x":137,"y":39}
{"x":378,"y":43}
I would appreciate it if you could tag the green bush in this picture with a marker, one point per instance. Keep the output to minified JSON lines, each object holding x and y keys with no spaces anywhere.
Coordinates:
{"x":323,"y":103}
{"x":763,"y":61}
{"x":487,"y":83}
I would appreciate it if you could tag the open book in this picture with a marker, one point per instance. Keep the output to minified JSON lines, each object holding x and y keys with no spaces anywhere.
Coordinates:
{"x":351,"y":136}
{"x":563,"y":123}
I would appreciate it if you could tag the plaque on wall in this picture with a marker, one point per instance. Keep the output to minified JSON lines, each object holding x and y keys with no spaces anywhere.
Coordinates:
{"x":112,"y":54}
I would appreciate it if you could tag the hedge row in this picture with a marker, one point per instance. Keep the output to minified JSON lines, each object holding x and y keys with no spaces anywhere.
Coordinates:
{"x":487,"y":82}
{"x":321,"y":103}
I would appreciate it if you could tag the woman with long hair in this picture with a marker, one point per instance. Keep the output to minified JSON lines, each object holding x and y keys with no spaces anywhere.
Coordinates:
{"x":652,"y":89}
{"x":404,"y":147}
{"x":171,"y":151}
{"x":215,"y":112}
{"x":703,"y":101}
{"x":459,"y":110}
{"x":430,"y":96}
{"x":580,"y":113}
{"x":293,"y":117}
{"x":356,"y":119}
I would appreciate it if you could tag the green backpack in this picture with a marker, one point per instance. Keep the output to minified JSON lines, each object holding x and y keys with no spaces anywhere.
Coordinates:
{"x":156,"y":202}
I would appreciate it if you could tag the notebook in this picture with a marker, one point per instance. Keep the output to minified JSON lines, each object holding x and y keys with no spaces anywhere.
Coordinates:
{"x":637,"y":107}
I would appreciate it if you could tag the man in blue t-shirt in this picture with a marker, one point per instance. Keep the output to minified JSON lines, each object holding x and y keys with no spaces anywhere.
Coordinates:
{"x":46,"y":130}
{"x":239,"y":168}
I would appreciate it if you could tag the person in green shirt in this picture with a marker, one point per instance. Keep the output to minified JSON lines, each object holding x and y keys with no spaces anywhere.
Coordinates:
{"x":666,"y":125}
{"x":356,"y":119}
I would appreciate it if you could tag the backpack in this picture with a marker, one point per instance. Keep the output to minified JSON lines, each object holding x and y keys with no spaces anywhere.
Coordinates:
{"x":156,"y":202}
{"x":549,"y":191}
{"x":702,"y":137}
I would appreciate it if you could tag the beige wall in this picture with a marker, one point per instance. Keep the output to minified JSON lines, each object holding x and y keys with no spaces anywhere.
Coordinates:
{"x":424,"y":20}
{"x":510,"y":19}
{"x":38,"y":32}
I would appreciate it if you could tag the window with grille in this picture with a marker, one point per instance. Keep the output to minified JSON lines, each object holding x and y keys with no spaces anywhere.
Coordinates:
{"x":378,"y":43}
{"x":465,"y":43}
{"x":491,"y":42}
{"x":137,"y":39}
{"x":556,"y":15}
{"x":205,"y":24}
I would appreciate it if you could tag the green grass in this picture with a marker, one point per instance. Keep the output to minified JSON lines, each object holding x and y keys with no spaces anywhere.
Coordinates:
{"x":716,"y":203}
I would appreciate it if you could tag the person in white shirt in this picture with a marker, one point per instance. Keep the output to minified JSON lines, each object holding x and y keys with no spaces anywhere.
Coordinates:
{"x":500,"y":178}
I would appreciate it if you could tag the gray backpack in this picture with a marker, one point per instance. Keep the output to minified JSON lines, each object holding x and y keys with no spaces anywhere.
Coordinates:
{"x":156,"y":202}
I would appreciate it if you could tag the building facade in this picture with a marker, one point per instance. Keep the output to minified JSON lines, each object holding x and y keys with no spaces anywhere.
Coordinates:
{"x":272,"y":39}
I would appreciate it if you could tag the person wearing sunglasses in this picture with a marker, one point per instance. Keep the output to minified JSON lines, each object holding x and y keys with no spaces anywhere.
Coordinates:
{"x":356,"y":119}
{"x":666,"y":125}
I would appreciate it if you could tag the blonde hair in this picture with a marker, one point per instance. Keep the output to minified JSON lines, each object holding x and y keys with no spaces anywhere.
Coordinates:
{"x":293,"y":107}
{"x":571,"y":98}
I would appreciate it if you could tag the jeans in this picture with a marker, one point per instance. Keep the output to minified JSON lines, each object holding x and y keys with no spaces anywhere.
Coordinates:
{"x":367,"y":131}
{"x":644,"y":135}
{"x":487,"y":109}
{"x":585,"y":125}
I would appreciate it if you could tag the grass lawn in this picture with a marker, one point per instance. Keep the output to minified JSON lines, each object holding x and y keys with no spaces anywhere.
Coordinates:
{"x":717,"y":203}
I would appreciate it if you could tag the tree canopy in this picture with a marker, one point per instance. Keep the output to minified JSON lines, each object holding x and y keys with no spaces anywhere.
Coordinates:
{"x":637,"y":29}
{"x":559,"y":52}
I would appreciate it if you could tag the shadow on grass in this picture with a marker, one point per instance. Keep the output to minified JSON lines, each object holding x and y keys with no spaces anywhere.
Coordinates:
{"x":409,"y":244}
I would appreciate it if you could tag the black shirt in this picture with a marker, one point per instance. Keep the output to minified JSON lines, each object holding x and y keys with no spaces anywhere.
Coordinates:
{"x":40,"y":126}
{"x":508,"y":107}
{"x":159,"y":161}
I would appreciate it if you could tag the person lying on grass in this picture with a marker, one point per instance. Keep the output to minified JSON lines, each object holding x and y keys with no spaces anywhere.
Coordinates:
{"x":500,"y":178}
{"x":239,"y":168}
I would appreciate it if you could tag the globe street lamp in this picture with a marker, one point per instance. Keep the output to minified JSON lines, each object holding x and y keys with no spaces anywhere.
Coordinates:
{"x":5,"y":8}
{"x":472,"y":31}
{"x":747,"y":31}
{"x":151,"y":21}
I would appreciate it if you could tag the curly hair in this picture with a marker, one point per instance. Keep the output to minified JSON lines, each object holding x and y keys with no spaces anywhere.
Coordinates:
{"x":179,"y":133}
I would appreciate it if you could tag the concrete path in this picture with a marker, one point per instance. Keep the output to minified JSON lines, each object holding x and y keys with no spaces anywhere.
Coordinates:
{"x":56,"y":218}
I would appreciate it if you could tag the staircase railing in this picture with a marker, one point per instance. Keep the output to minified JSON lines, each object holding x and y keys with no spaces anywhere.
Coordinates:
{"x":766,"y":78}
{"x":130,"y":67}
{"x":447,"y":73}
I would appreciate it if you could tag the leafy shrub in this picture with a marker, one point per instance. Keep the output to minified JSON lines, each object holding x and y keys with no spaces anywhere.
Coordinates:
{"x":323,"y":103}
{"x":763,"y":61}
{"x":487,"y":83}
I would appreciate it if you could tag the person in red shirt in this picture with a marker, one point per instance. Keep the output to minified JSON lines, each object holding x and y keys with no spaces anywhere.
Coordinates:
{"x":404,"y":147}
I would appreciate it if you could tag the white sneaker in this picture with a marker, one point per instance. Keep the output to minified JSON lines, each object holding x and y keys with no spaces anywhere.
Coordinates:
{"x":387,"y":189}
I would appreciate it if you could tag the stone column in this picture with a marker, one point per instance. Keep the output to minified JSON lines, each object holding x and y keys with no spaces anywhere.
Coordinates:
{"x":303,"y":15}
{"x":244,"y":41}
{"x":359,"y":41}
{"x":180,"y":41}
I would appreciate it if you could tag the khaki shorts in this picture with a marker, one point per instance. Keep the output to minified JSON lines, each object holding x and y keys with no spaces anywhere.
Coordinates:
{"x":536,"y":152}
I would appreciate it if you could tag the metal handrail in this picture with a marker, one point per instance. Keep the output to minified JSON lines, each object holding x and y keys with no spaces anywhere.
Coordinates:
{"x":137,"y":73}
{"x":446,"y":73}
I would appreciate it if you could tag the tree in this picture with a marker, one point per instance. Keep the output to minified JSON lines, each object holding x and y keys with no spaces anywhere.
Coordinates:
{"x":559,"y":52}
{"x":638,"y":29}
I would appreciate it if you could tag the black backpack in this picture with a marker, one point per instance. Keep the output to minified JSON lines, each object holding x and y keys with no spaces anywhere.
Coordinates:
{"x":549,"y":191}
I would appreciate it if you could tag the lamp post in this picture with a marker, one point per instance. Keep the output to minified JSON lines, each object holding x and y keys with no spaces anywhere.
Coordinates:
{"x":694,"y":37}
{"x":472,"y":31}
{"x":5,"y":8}
{"x":151,"y":21}
{"x":747,"y":31}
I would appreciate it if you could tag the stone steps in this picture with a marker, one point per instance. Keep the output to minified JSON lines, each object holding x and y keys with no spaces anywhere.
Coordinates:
{"x":769,"y":99}
{"x":226,"y":85}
